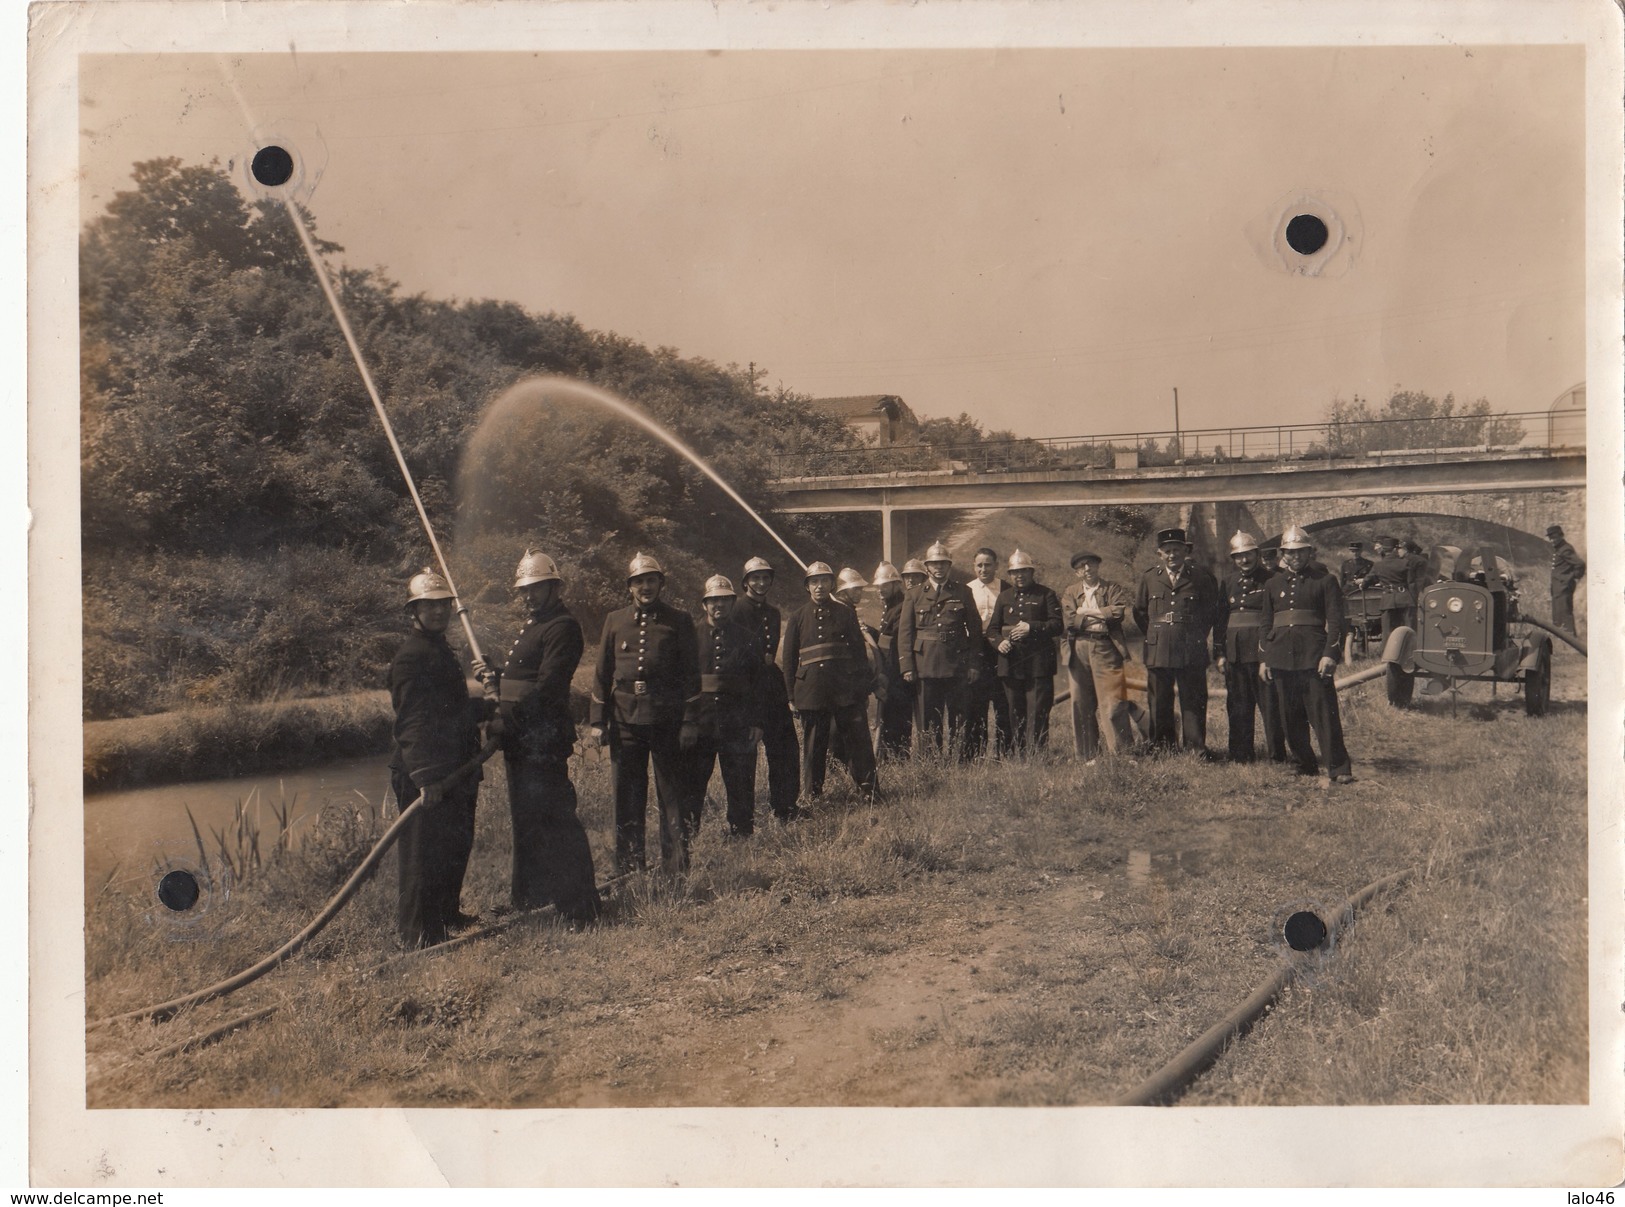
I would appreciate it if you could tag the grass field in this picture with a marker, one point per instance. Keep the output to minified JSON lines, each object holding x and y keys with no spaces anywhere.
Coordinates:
{"x":1025,"y":934}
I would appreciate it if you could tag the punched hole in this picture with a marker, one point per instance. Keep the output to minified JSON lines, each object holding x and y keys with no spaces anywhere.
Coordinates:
{"x":1306,"y":234}
{"x":179,"y":890}
{"x":1304,"y":931}
{"x":273,"y":166}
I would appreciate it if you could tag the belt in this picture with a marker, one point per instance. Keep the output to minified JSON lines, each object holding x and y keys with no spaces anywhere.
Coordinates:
{"x":515,"y":690}
{"x":1246,"y":620}
{"x":1304,"y":616}
{"x":1096,"y":634}
{"x":824,"y":651}
{"x":732,"y":684}
{"x":1173,"y":618}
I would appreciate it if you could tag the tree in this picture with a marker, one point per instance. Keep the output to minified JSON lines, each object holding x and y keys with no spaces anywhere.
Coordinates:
{"x":1411,"y":419}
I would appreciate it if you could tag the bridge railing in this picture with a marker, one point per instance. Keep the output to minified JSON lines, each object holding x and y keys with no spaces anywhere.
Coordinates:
{"x":1438,"y":437}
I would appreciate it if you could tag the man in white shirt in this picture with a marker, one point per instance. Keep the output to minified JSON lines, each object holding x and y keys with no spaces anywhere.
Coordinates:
{"x":985,"y":590}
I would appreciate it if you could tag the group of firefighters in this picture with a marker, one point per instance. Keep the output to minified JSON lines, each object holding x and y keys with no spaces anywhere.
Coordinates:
{"x":678,"y":698}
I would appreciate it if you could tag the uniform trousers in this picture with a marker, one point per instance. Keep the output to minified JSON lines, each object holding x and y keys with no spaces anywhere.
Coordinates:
{"x":1190,"y":682}
{"x":737,"y":754}
{"x":1030,"y":703}
{"x":1309,"y":701}
{"x":896,"y":719}
{"x":987,"y":692}
{"x":851,"y":724}
{"x":939,"y":713}
{"x":433,"y":852}
{"x":1563,"y":608}
{"x":782,"y":749}
{"x":631,"y":749}
{"x":552,"y":861}
{"x":1099,"y":681}
{"x":1248,"y":698}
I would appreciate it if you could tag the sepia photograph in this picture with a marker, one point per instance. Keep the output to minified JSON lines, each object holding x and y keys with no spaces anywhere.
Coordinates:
{"x":683,"y":574}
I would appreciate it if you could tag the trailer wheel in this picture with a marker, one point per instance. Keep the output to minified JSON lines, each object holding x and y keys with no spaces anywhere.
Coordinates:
{"x":1537,"y":685}
{"x":1401,"y":685}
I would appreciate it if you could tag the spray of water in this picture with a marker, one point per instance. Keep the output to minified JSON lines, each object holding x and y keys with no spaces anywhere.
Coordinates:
{"x":535,"y":395}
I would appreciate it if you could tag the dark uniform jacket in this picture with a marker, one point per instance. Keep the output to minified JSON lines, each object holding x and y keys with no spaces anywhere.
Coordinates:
{"x":1354,"y":573}
{"x":1420,"y":569}
{"x":1303,"y":620}
{"x":1391,"y":573}
{"x":765,"y":621}
{"x":1033,"y":656}
{"x":939,"y":634}
{"x":1237,"y":634}
{"x":1111,"y":598}
{"x":886,"y":642}
{"x":732,"y":674}
{"x":825,"y":658}
{"x":535,"y":685}
{"x":655,"y":646}
{"x":1176,"y":620}
{"x":436,"y":723}
{"x":1567,"y":568}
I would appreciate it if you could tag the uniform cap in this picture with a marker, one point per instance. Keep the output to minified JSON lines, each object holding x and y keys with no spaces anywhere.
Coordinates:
{"x":1020,"y":560}
{"x":819,"y":568}
{"x":718,"y":587}
{"x":1356,"y":546}
{"x":914,"y":566}
{"x":535,"y":568}
{"x":1296,"y":538}
{"x":1085,"y":555}
{"x":849,"y":578}
{"x":1555,"y":530}
{"x":1171,"y":536}
{"x":1389,"y":541}
{"x":938,"y":553}
{"x":886,"y":573}
{"x":643,"y":563}
{"x":1242,"y":543}
{"x":757,"y":564}
{"x":426,"y":584}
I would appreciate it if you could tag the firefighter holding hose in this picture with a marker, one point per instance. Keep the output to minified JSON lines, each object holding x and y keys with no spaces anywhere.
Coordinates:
{"x":552,"y":861}
{"x":437,"y":730}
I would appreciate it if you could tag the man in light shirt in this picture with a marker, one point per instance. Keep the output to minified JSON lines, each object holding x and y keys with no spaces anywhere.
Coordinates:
{"x":985,"y":590}
{"x":1092,"y":610}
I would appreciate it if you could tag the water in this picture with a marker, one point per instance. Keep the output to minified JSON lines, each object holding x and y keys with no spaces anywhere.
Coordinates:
{"x":126,"y":832}
{"x":538,"y":399}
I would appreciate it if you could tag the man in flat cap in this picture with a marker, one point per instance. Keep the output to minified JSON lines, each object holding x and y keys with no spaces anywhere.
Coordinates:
{"x":1092,"y":611}
{"x":1176,"y":606}
{"x":1567,"y":571}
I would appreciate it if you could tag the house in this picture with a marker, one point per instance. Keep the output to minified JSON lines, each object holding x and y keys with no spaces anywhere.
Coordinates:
{"x":882,"y":419}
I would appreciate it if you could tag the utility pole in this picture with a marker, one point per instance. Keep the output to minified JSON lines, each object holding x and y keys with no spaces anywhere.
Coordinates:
{"x":1179,"y":445}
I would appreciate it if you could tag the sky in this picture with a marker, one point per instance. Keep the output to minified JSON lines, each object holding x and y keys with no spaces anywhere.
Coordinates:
{"x":1050,"y":240}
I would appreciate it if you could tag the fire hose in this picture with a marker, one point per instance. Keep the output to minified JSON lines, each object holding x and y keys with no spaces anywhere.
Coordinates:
{"x":165,"y":1010}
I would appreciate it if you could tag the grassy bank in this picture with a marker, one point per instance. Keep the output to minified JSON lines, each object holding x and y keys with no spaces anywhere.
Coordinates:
{"x":1042,"y":934}
{"x":217,"y":743}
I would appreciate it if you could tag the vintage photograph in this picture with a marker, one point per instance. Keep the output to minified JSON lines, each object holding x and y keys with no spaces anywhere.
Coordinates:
{"x":806,"y":574}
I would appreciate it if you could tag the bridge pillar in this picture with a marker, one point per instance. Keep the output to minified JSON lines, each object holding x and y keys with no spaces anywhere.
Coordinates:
{"x":893,"y":534}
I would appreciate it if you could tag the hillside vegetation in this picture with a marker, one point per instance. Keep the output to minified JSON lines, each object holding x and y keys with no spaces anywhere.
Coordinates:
{"x":246,"y":534}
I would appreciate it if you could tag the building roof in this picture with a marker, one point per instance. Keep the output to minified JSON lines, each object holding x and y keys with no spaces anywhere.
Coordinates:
{"x":860,"y":406}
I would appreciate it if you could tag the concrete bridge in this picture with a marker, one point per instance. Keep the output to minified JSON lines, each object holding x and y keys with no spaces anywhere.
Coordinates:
{"x":1520,"y":489}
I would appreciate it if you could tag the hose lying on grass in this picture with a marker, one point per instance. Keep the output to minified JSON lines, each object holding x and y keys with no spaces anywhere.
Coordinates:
{"x":166,"y":1010}
{"x":1174,"y":1078}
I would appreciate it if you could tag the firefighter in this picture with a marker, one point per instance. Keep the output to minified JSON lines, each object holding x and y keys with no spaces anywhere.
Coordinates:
{"x":1391,"y":574}
{"x":849,"y":585}
{"x":1567,"y":571}
{"x":894,"y":697}
{"x":1354,"y":569}
{"x":939,"y":643}
{"x":780,"y":746}
{"x":1239,"y":659}
{"x":436,"y":732}
{"x":1024,"y":626}
{"x":552,"y":861}
{"x":723,"y":724}
{"x":1301,"y":638}
{"x":914,"y":574}
{"x":1092,"y":611}
{"x":648,"y":669}
{"x":826,"y":669}
{"x":1176,"y":606}
{"x":987,"y":691}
